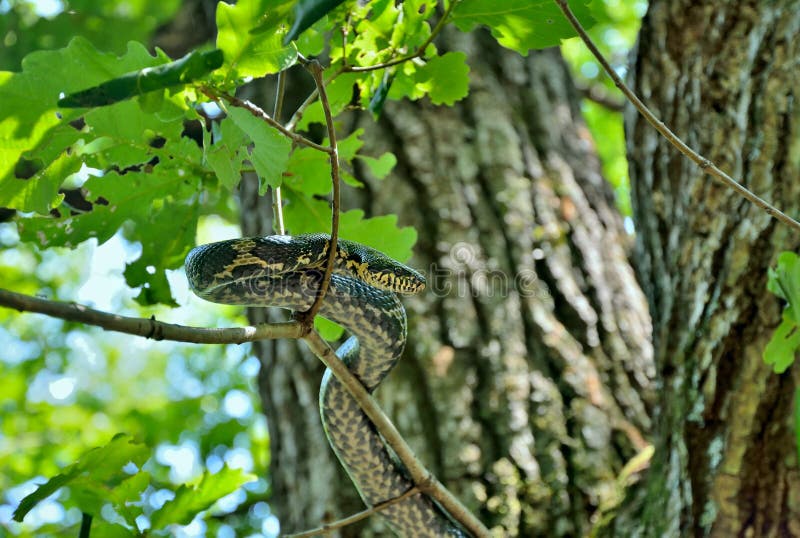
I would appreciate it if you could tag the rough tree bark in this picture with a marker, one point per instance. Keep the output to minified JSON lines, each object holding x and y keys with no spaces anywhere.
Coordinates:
{"x":725,"y":76}
{"x":526,"y":383}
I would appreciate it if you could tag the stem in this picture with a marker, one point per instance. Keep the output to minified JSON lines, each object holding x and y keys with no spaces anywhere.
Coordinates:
{"x":355,"y":517}
{"x":316,"y":71}
{"x":148,"y":328}
{"x":671,"y":137}
{"x":258,"y":113}
{"x":86,"y":525}
{"x":277,"y":204}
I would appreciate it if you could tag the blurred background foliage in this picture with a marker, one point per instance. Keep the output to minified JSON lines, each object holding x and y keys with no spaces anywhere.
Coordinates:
{"x":67,"y":388}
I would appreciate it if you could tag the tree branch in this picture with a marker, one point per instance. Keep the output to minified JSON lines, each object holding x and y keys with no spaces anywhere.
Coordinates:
{"x":148,"y":328}
{"x":355,"y":517}
{"x":316,"y":70}
{"x":421,"y":477}
{"x":260,"y":114}
{"x":671,"y":137}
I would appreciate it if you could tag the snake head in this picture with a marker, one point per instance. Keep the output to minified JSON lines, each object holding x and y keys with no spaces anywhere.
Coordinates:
{"x":383,"y":272}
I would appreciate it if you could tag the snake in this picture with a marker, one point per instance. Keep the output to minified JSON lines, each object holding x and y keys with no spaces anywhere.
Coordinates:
{"x":287,"y":271}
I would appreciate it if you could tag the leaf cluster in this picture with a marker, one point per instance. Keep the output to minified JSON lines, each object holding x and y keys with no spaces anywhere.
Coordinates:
{"x":108,"y":483}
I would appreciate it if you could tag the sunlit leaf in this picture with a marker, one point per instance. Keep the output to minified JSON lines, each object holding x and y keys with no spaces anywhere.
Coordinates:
{"x":782,"y":348}
{"x":250,"y":33}
{"x":189,"y":500}
{"x":270,"y":152}
{"x":784,"y":281}
{"x":100,"y":467}
{"x":521,"y":25}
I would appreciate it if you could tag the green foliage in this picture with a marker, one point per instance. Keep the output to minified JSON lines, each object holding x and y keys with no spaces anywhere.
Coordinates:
{"x":29,"y":124}
{"x":521,"y":25}
{"x":190,"y":500}
{"x":96,"y":477}
{"x":784,"y":281}
{"x":103,"y":477}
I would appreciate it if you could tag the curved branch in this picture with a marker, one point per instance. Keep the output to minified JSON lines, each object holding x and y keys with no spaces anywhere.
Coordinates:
{"x":704,"y":163}
{"x":148,"y":328}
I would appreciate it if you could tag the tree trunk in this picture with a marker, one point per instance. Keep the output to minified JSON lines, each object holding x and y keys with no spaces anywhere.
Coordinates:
{"x":725,"y":76}
{"x":526,"y":382}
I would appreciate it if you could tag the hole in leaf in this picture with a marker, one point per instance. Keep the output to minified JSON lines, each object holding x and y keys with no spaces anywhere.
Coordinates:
{"x":27,"y":168}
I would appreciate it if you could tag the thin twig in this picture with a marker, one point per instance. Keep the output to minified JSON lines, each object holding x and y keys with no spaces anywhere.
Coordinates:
{"x":316,"y":71}
{"x":277,"y":203}
{"x":148,"y":328}
{"x":420,"y":476}
{"x":260,"y":114}
{"x":704,"y":163}
{"x":355,"y":517}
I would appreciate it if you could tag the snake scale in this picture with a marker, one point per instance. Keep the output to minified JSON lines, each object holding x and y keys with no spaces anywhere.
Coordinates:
{"x":286,"y":271}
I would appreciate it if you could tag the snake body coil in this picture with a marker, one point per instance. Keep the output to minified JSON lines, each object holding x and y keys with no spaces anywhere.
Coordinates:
{"x":286,"y":272}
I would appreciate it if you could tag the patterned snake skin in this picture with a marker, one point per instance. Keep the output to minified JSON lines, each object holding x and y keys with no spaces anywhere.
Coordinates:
{"x":286,"y":272}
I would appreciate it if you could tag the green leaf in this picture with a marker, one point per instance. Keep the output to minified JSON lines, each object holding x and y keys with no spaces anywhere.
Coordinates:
{"x":97,"y":469}
{"x":381,"y":166}
{"x":797,"y":421}
{"x":306,"y":13}
{"x":124,"y":136}
{"x":781,"y":350}
{"x":191,"y":67}
{"x":163,"y":247}
{"x":40,"y":192}
{"x":329,"y":330}
{"x":270,"y":152}
{"x":309,"y":172}
{"x":189,"y":500}
{"x":225,"y":156}
{"x":784,"y":281}
{"x":445,"y":78}
{"x":310,"y":215}
{"x":521,"y":25}
{"x":250,"y":33}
